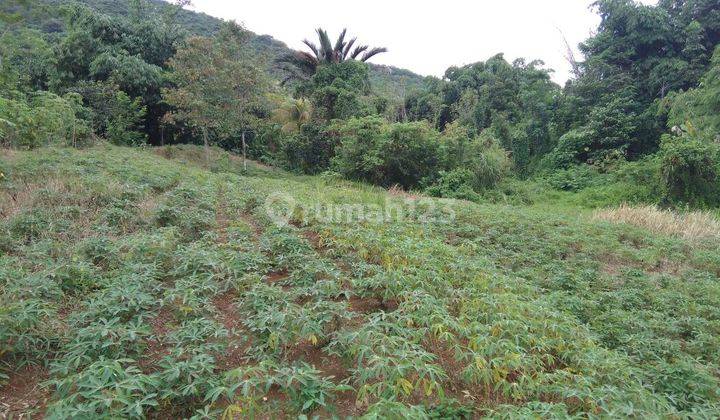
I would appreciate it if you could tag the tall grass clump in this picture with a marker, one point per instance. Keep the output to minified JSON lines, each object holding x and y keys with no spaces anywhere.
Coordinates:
{"x":689,"y":225}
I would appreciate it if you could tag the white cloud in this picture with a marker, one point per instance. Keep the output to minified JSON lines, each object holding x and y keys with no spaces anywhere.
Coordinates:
{"x":424,"y":36}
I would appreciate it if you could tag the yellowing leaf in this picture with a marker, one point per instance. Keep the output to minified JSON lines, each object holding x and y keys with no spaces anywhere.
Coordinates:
{"x":405,"y":385}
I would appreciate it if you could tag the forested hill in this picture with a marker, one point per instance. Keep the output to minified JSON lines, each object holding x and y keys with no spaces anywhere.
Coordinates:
{"x":388,"y":81}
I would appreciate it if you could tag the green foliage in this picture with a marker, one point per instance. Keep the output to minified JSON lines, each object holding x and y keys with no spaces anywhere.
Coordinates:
{"x":691,"y":171}
{"x":697,"y":110}
{"x":190,"y":301}
{"x":306,"y":64}
{"x":514,"y":100}
{"x":122,"y":128}
{"x":157,"y":286}
{"x":114,"y":388}
{"x":575,"y":178}
{"x":370,"y":149}
{"x":338,"y":90}
{"x":114,"y":114}
{"x":42,"y":119}
{"x":28,"y":61}
{"x":310,"y":150}
{"x":456,"y":183}
{"x":203,"y":70}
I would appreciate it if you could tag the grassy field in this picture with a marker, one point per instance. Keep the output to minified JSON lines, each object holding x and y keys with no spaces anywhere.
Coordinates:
{"x":136,"y":283}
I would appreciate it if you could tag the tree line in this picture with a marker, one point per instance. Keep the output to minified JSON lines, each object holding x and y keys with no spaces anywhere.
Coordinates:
{"x":645,"y":92}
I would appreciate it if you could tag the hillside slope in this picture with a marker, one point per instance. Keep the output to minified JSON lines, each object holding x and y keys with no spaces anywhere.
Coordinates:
{"x":137,"y":282}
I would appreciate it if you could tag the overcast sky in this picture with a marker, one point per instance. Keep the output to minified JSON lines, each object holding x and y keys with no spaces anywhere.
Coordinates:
{"x":424,"y":36}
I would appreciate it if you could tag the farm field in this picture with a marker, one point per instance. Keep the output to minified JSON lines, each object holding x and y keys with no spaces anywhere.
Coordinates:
{"x":137,"y":283}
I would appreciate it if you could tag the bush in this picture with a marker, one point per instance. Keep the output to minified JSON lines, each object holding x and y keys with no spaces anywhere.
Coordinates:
{"x":308,"y":151}
{"x":410,"y":153}
{"x":575,"y":178}
{"x":483,"y":157}
{"x":114,"y":114}
{"x":124,"y":128}
{"x":488,"y":162}
{"x":339,"y":90}
{"x":454,"y":184}
{"x":373,"y":150}
{"x":689,"y":169}
{"x":42,"y":119}
{"x":572,"y":148}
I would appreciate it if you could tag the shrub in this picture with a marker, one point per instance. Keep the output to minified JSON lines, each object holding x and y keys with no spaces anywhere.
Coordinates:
{"x":42,"y":119}
{"x":338,"y":90}
{"x":488,"y":162}
{"x":410,"y":153}
{"x":310,"y":150}
{"x":483,"y":157}
{"x":574,"y":178}
{"x":372,"y":150}
{"x":125,"y":126}
{"x":689,"y":170}
{"x":359,"y":153}
{"x":572,"y":147}
{"x":114,"y":114}
{"x":454,"y":184}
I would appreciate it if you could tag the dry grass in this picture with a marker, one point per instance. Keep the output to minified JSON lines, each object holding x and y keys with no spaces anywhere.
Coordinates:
{"x":7,"y":154}
{"x":13,"y":202}
{"x":690,"y":225}
{"x":398,"y":191}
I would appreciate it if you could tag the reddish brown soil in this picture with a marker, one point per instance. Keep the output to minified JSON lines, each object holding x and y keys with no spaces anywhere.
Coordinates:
{"x":225,"y":304}
{"x":452,"y":367}
{"x":314,"y":240}
{"x":238,"y":342}
{"x":163,"y":322}
{"x":277,"y":276}
{"x":22,"y":396}
{"x":157,"y":349}
{"x":371,"y":304}
{"x":234,"y":355}
{"x":328,"y":364}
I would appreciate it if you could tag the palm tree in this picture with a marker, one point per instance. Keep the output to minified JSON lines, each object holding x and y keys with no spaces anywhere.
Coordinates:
{"x":325,"y":53}
{"x":292,"y":114}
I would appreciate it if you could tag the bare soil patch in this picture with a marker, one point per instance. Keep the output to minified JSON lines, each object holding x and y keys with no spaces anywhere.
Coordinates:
{"x":23,"y":396}
{"x":238,"y":341}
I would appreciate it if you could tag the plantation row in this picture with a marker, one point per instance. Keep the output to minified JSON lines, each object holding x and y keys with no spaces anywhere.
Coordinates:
{"x":139,"y":286}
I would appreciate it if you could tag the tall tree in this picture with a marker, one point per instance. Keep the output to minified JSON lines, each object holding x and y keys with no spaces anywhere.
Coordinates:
{"x":325,"y":52}
{"x":220,"y":85}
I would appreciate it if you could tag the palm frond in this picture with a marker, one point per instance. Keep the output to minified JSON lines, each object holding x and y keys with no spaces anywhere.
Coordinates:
{"x":313,"y":47}
{"x":358,"y":51}
{"x":347,"y":49}
{"x":323,"y":53}
{"x":325,"y":45}
{"x":340,"y":43}
{"x":305,"y":62}
{"x":373,"y":52}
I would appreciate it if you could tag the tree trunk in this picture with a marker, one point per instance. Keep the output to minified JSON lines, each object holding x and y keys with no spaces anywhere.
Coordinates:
{"x":207,"y":147}
{"x":244,"y":151}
